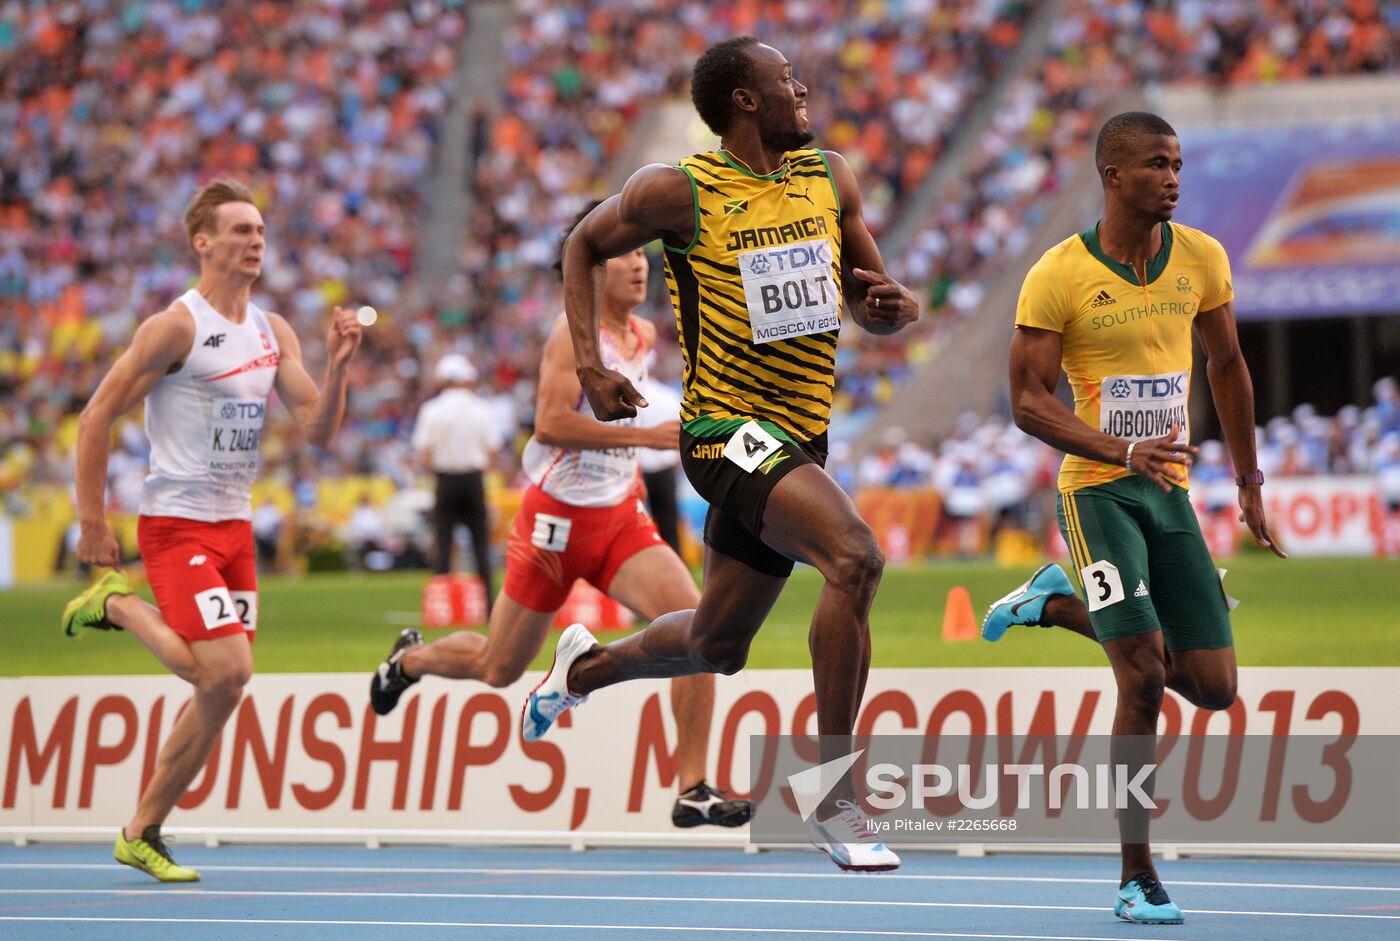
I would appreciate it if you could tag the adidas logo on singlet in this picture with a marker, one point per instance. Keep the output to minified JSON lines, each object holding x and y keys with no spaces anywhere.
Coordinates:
{"x":1102,"y":299}
{"x":1141,"y":589}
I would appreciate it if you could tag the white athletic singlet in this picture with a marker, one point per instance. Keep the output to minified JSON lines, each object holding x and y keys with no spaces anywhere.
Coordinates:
{"x":595,"y":477}
{"x":205,"y":421}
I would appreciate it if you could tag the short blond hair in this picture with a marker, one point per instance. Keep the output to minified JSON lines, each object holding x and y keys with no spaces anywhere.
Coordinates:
{"x":200,"y":213}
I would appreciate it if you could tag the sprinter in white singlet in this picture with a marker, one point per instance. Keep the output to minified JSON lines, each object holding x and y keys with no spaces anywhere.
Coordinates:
{"x":204,"y":367}
{"x":583,"y":516}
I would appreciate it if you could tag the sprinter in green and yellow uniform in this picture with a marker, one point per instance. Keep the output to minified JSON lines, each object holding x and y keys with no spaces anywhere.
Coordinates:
{"x":765,"y":247}
{"x":1115,"y":307}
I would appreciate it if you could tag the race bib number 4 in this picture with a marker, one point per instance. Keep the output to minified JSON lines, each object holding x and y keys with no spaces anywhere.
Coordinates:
{"x":235,"y":433}
{"x":790,"y":290}
{"x":1142,"y":407}
{"x":750,"y":446}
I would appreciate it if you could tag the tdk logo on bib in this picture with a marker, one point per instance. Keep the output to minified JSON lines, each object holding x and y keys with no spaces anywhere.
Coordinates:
{"x":241,"y":410}
{"x":1156,"y":387}
{"x":798,"y":256}
{"x":234,"y":436}
{"x":791,"y":291}
{"x":1139,"y":407}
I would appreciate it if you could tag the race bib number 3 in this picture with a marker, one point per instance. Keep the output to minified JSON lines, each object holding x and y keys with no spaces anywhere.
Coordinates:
{"x":790,"y":290}
{"x":750,"y":446}
{"x":235,"y":433}
{"x":1141,"y":407}
{"x":1103,"y":585}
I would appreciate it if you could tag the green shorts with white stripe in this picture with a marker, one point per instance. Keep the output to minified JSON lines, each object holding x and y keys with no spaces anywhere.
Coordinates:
{"x":1143,"y":565}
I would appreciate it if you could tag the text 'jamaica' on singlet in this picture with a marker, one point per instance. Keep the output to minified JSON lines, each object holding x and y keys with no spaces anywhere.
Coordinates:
{"x":1126,"y":345}
{"x":757,"y":293}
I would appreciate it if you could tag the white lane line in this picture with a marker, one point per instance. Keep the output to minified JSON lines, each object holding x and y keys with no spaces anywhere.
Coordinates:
{"x":519,"y":896}
{"x":536,"y":927}
{"x":717,"y":874}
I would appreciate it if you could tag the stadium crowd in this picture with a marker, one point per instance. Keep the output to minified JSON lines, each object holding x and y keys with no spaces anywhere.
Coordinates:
{"x":1043,"y":133}
{"x":115,"y":113}
{"x":333,"y":111}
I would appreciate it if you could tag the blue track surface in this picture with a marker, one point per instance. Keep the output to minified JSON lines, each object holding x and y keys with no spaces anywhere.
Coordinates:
{"x":319,"y":893}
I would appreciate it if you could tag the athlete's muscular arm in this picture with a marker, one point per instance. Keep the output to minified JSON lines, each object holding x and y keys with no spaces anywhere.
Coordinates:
{"x":1233,"y":392}
{"x":656,"y":203}
{"x":876,"y":301}
{"x":558,"y":425}
{"x":1035,"y":371}
{"x":318,"y":411}
{"x":159,"y":347}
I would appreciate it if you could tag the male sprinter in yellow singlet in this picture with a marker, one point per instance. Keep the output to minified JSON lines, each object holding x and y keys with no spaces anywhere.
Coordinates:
{"x":1115,"y":306}
{"x":764,"y":239}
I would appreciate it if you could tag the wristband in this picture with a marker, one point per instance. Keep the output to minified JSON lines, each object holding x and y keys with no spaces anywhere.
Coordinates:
{"x":1128,"y":461}
{"x":1254,"y":477}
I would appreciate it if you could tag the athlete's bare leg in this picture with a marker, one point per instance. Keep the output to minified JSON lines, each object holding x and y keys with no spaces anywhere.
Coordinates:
{"x":145,"y":621}
{"x":651,"y":582}
{"x":713,"y":637}
{"x":224,"y":665}
{"x":1204,"y":678}
{"x":498,"y":658}
{"x":655,"y":582}
{"x":807,"y":517}
{"x":1142,"y":669}
{"x":1069,"y":612}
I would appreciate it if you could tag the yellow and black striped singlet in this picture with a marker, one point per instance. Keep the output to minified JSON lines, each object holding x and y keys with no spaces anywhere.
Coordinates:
{"x":757,"y":293}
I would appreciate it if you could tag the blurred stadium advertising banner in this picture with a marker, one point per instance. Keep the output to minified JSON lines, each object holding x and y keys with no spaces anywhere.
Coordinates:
{"x":1311,"y":516}
{"x":1310,"y":214}
{"x":305,"y":752}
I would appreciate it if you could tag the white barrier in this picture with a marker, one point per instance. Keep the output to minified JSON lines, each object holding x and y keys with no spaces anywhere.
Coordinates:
{"x":305,"y":758}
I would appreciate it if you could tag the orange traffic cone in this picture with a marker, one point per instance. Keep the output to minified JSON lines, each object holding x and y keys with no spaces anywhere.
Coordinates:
{"x":959,"y":623}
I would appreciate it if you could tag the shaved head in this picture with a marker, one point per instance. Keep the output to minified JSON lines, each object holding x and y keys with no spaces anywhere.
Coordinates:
{"x":1122,"y":134}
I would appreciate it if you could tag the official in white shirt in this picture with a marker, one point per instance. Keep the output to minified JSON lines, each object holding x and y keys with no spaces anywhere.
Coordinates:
{"x":659,"y":467}
{"x":457,"y":436}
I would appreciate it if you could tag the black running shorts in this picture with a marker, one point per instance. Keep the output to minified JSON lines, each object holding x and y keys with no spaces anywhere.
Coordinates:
{"x":735,"y":464}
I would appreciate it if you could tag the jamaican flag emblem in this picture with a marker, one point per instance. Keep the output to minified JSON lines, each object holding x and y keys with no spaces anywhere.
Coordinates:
{"x":736,"y":206}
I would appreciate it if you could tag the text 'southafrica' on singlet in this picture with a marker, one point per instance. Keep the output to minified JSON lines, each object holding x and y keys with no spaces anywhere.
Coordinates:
{"x":1127,"y":345}
{"x":757,"y":293}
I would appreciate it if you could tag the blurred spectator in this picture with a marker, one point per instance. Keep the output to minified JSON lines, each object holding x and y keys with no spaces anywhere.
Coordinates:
{"x":659,"y":468}
{"x":365,"y":536}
